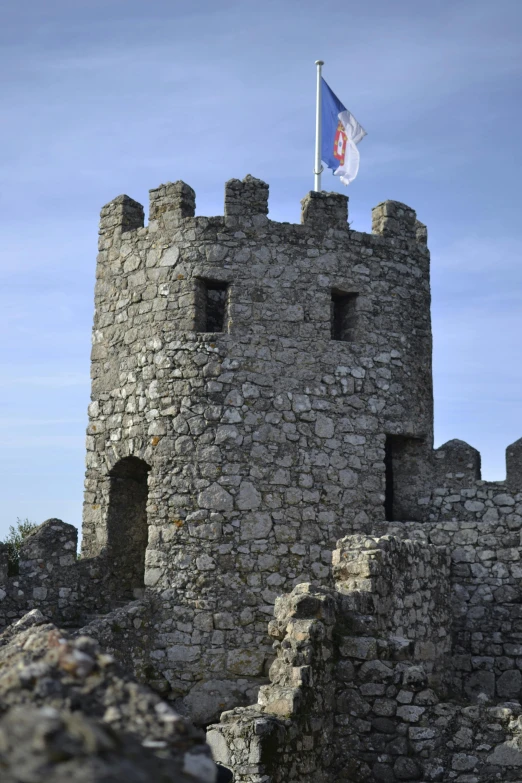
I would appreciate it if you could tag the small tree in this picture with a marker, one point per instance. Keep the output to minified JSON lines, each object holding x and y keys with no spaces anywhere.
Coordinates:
{"x":14,"y":540}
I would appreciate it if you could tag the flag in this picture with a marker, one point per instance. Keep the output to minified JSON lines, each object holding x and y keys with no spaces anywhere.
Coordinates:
{"x":340,"y":135}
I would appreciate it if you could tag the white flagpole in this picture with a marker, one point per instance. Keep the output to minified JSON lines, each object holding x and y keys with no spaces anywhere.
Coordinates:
{"x":317,"y":167}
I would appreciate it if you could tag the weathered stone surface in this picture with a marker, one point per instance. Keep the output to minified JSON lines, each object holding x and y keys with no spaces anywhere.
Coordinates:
{"x":68,"y":713}
{"x":509,"y":684}
{"x":260,"y":391}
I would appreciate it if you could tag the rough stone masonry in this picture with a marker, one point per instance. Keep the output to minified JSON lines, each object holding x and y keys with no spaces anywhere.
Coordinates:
{"x":262,"y":411}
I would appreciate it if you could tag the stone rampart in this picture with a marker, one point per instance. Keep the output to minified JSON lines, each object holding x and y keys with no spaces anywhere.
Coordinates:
{"x":350,"y":701}
{"x":480,"y":524}
{"x":52,"y":579}
{"x":345,"y":687}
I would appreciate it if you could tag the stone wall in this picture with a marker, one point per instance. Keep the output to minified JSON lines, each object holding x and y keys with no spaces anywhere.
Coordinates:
{"x":480,"y":524}
{"x":350,"y":702}
{"x":70,"y":714}
{"x":260,"y":444}
{"x":52,"y":579}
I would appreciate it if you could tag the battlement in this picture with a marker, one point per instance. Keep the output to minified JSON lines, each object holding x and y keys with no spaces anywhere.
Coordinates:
{"x":51,"y":546}
{"x":174,"y":200}
{"x":380,"y":576}
{"x":118,"y":216}
{"x":246,"y":205}
{"x":459,"y":462}
{"x":50,"y":577}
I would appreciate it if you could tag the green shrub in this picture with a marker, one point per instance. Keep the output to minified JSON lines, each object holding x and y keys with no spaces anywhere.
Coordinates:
{"x":14,"y":539}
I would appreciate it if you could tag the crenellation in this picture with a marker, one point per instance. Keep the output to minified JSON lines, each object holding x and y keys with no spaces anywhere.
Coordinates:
{"x":514,"y":465}
{"x":458,"y":462}
{"x":246,"y":201}
{"x":52,"y":545}
{"x":421,"y":233}
{"x":393,"y":219}
{"x":120,"y":215}
{"x":322,"y":211}
{"x":175,"y":198}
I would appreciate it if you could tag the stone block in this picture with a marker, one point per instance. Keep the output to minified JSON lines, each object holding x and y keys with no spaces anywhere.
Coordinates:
{"x":325,"y":210}
{"x":514,"y":465}
{"x":480,"y":685}
{"x":509,"y":684}
{"x":245,"y":662}
{"x":364,"y":648}
{"x":246,"y":199}
{"x":393,"y":219}
{"x":176,"y":198}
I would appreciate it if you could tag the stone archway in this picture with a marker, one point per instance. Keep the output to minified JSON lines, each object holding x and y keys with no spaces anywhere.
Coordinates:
{"x":127,"y":530}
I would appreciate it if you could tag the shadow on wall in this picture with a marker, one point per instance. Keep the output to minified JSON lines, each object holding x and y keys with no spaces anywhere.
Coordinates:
{"x":406,"y":463}
{"x":127,"y":531}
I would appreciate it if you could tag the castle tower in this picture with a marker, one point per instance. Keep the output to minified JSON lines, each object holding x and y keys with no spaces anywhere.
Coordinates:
{"x":259,"y":390}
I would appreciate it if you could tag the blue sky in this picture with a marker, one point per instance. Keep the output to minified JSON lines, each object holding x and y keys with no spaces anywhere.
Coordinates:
{"x":102,"y":97}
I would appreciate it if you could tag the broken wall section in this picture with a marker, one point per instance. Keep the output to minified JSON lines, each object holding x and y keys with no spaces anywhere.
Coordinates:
{"x":480,"y":523}
{"x":52,"y":579}
{"x":355,"y":668}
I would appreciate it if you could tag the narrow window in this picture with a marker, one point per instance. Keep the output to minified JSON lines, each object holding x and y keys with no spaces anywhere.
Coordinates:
{"x":343,"y":316}
{"x":211,"y":305}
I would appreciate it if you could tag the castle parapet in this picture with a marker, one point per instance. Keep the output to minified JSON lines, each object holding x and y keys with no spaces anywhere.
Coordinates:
{"x":394,"y":219}
{"x":514,"y":465}
{"x":51,"y":578}
{"x":324,"y":210}
{"x":119,"y":215}
{"x":175,"y":199}
{"x":246,"y":200}
{"x":379,"y":575}
{"x":52,"y":545}
{"x":456,"y":459}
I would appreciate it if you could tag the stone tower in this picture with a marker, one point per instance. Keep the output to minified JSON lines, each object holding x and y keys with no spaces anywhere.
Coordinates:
{"x":259,"y":390}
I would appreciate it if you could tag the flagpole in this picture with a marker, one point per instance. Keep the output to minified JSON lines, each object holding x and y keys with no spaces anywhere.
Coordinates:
{"x":317,"y":167}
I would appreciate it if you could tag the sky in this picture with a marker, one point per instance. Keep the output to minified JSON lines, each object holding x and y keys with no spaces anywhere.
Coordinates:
{"x":102,"y":97}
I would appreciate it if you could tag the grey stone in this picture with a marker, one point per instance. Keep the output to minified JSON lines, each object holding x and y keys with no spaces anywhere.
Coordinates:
{"x":406,"y":768}
{"x":507,"y":754}
{"x":480,"y":684}
{"x":248,"y":497}
{"x":216,"y":498}
{"x":509,"y":684}
{"x":260,"y":389}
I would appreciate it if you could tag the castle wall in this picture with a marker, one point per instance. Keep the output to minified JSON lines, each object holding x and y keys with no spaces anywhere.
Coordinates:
{"x":350,"y":700}
{"x":266,"y":441}
{"x":52,"y":579}
{"x":259,"y":391}
{"x":480,"y":523}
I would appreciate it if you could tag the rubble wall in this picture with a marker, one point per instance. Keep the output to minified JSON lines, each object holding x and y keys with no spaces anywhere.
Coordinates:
{"x":350,"y":702}
{"x":52,"y":579}
{"x":480,"y":523}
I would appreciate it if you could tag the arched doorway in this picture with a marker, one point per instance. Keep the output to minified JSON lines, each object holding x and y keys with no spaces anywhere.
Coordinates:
{"x":127,"y":531}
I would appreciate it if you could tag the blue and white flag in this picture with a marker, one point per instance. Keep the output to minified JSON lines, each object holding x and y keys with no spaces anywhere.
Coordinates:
{"x":340,"y":134}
